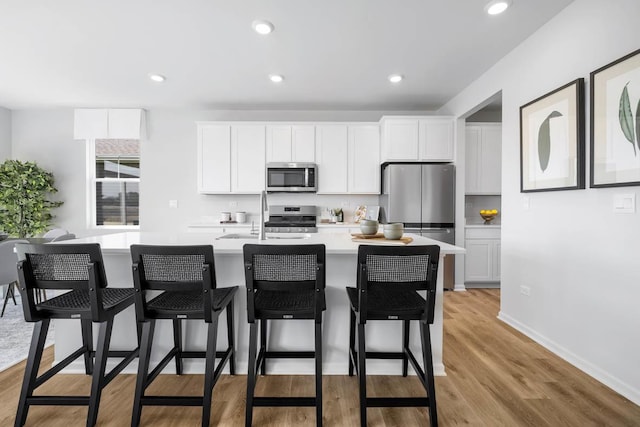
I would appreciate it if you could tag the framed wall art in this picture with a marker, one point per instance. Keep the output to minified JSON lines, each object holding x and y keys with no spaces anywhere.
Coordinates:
{"x":552,"y":140}
{"x":615,"y":123}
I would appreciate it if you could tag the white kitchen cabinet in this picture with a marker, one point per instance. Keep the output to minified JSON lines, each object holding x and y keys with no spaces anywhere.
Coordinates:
{"x":426,"y":138}
{"x":214,"y":159}
{"x":247,"y":158}
{"x":436,"y":139}
{"x":364,"y":159}
{"x":290,"y":143}
{"x":103,"y":123}
{"x":482,"y":260}
{"x":220,"y":228}
{"x":483,"y":159}
{"x":231,"y":158}
{"x":331,"y":157}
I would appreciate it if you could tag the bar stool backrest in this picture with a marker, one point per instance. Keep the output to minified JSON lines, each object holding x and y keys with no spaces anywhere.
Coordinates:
{"x":70,"y":267}
{"x":172,"y":268}
{"x":398,"y":268}
{"x":284,"y":268}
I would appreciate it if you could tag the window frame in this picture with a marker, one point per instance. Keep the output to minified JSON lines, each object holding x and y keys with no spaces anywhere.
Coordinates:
{"x":92,"y":180}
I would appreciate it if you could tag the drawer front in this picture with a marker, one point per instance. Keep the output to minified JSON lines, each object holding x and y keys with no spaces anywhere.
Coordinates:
{"x":482,"y":233}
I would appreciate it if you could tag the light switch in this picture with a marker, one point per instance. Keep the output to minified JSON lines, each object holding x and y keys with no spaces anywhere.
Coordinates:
{"x":173,"y":204}
{"x":624,"y":203}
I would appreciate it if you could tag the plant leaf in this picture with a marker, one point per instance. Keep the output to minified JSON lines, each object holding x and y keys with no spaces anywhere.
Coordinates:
{"x":544,"y":140}
{"x":626,"y":117}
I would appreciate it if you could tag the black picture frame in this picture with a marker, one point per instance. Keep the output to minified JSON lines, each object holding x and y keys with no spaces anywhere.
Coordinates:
{"x":615,"y":123}
{"x":552,"y":140}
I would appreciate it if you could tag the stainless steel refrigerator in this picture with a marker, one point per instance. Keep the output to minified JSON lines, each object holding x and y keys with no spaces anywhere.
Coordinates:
{"x":422,"y":197}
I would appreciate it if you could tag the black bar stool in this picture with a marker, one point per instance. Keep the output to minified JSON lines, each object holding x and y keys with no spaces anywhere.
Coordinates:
{"x":186,"y":274}
{"x":78,"y":268}
{"x":388,"y":278}
{"x":283,"y":282}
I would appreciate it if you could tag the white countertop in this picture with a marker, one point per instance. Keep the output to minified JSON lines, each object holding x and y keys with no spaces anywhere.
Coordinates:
{"x":336,"y":243}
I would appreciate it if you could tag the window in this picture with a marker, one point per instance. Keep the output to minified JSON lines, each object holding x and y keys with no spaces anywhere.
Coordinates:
{"x":116,"y":183}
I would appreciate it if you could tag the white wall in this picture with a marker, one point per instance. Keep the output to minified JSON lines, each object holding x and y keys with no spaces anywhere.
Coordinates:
{"x":5,"y":134}
{"x":168,"y":165}
{"x":579,"y":259}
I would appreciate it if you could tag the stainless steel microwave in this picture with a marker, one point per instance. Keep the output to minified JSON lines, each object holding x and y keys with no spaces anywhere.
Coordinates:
{"x":292,"y":177}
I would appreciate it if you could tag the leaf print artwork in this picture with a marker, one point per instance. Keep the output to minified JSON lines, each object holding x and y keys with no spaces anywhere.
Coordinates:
{"x":544,"y":140}
{"x":638,"y":125}
{"x":626,"y":118}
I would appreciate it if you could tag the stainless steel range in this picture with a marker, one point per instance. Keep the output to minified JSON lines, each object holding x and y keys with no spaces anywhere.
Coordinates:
{"x":291,"y":219}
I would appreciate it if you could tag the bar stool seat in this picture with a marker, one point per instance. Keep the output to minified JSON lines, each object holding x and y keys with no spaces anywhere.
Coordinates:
{"x":81,"y":300}
{"x":384,"y":303}
{"x":189,"y":301}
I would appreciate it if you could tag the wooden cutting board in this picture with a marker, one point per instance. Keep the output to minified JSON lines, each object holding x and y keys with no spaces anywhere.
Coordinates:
{"x":379,"y":238}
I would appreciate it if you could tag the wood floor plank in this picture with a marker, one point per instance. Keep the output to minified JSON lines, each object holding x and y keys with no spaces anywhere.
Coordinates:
{"x":496,"y":376}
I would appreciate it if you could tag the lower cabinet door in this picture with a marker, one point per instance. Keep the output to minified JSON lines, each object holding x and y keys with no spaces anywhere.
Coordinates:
{"x":479,"y":260}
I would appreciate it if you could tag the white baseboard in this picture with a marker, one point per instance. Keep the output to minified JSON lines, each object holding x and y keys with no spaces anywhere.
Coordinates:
{"x":604,"y":377}
{"x":282,"y":367}
{"x":459,"y":287}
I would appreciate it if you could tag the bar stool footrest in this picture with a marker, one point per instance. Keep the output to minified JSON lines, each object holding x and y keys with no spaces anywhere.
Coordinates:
{"x":284,"y":401}
{"x":58,"y":400}
{"x":396,"y":402}
{"x":172,"y":400}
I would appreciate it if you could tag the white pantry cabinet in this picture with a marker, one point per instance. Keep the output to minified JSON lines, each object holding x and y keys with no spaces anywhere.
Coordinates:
{"x":231,"y":158}
{"x":291,"y":143}
{"x":482,"y":260}
{"x":483,"y":158}
{"x":424,"y":138}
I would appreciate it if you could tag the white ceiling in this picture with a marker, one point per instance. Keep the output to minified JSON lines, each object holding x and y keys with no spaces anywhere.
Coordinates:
{"x":334,"y":54}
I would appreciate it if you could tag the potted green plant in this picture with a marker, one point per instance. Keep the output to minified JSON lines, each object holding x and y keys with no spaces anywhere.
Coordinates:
{"x":25,"y":208}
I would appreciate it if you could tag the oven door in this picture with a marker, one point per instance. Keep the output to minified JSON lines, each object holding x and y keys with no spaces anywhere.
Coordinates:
{"x":291,"y":177}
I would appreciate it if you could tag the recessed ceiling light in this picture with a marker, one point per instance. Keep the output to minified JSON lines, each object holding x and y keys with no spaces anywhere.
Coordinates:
{"x":158,"y":78}
{"x":395,"y":78}
{"x":276,"y":78}
{"x":496,"y":7}
{"x":262,"y":27}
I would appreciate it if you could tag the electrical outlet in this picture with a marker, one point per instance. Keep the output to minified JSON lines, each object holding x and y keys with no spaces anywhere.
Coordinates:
{"x":468,"y":205}
{"x":233,"y":204}
{"x":525,"y":290}
{"x":173,"y":204}
{"x":526,"y":203}
{"x":345,"y":204}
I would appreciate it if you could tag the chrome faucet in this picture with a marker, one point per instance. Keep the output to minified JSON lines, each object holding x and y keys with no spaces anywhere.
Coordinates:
{"x":263,"y":208}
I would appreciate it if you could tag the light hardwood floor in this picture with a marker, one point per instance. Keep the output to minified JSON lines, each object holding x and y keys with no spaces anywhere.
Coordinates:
{"x":496,"y":377}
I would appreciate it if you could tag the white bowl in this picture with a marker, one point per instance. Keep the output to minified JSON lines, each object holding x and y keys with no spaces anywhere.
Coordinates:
{"x":368,"y":227}
{"x":393,"y":231}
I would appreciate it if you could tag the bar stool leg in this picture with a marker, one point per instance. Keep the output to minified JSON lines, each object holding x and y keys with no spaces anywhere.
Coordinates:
{"x":318,"y":374}
{"x":210,"y":367}
{"x":31,"y":370}
{"x":263,"y":345}
{"x":143,"y":369}
{"x":177,"y":343}
{"x":87,"y":342}
{"x":231,"y":338}
{"x":11,"y":293}
{"x":251,"y":374}
{"x":362,"y":374}
{"x":405,"y":347}
{"x":352,"y":340}
{"x":428,"y":364}
{"x":97,"y":382}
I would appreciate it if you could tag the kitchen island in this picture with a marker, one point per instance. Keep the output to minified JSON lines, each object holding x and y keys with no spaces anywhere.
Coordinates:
{"x":340,"y":273}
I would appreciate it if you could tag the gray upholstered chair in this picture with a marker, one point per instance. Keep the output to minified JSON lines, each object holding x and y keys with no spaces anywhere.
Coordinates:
{"x":8,"y":269}
{"x":55,"y":233}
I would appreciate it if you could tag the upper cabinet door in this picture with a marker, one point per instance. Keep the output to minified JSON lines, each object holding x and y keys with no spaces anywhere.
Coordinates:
{"x":364,"y":159}
{"x":400,"y":139}
{"x":491,"y":159}
{"x":303,"y":143}
{"x":214,"y":152}
{"x":472,"y":159}
{"x":247,"y":158}
{"x":279,"y":143}
{"x":436,"y":139}
{"x":331,"y":157}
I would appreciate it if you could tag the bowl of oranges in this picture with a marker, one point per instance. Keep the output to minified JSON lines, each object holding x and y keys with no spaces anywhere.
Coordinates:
{"x":488,"y":215}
